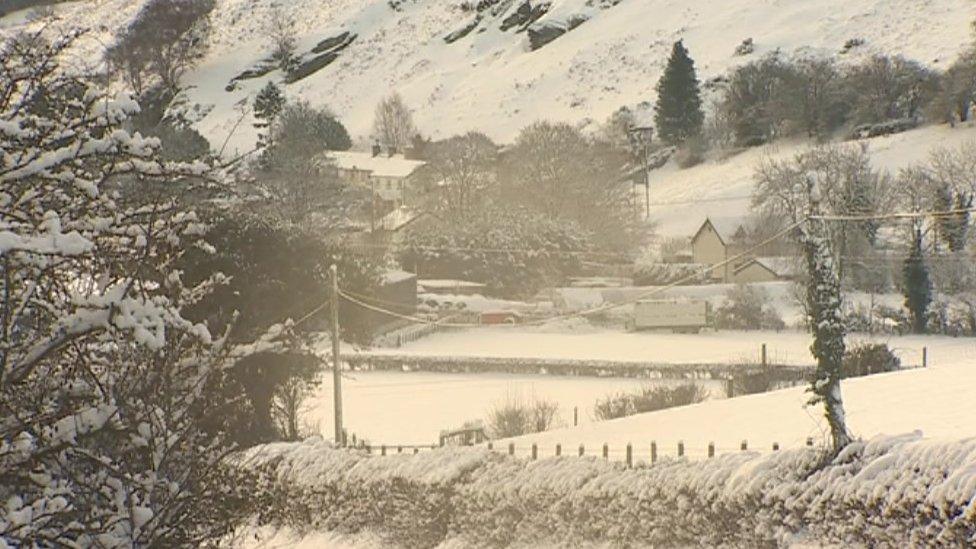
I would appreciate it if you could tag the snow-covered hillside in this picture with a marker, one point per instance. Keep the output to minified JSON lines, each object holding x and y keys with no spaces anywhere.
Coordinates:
{"x":491,"y":79}
{"x":935,"y":400}
{"x":681,"y":199}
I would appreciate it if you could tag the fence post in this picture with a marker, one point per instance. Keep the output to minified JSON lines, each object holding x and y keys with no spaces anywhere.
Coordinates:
{"x":369,"y":448}
{"x":681,"y":448}
{"x":711,"y":449}
{"x":416,"y":450}
{"x":491,"y":446}
{"x":582,"y":450}
{"x":575,"y":416}
{"x":559,"y":449}
{"x":511,"y":448}
{"x":744,"y":446}
{"x":399,"y":449}
{"x":763,"y":355}
{"x":653,"y":452}
{"x":809,"y":441}
{"x":383,"y":450}
{"x":925,"y":357}
{"x":535,"y":451}
{"x":775,"y":446}
{"x":729,"y":387}
{"x":606,"y":451}
{"x":630,"y":455}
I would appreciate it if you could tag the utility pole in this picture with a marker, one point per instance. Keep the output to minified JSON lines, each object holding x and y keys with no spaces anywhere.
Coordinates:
{"x":336,"y":367}
{"x":640,"y":140}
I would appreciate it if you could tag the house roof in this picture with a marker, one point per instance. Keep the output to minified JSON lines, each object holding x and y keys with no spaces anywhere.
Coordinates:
{"x":380,"y":165}
{"x":781,"y":266}
{"x":725,"y":227}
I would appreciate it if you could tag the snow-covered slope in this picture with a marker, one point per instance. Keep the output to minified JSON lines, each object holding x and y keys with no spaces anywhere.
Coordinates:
{"x":936,"y":400}
{"x":491,"y":79}
{"x":681,"y":199}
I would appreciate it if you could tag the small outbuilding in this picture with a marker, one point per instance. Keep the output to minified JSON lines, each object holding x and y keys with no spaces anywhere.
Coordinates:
{"x":767,"y":269}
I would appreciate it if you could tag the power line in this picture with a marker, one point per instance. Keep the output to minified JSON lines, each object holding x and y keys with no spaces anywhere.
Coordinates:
{"x":891,"y":216}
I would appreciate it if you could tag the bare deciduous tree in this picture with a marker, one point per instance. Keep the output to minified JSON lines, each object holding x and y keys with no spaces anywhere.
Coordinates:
{"x":280,"y":33}
{"x":463,"y":167}
{"x":393,"y":124}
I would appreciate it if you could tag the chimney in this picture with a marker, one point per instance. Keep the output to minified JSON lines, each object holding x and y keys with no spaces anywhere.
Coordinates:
{"x":376,"y":149}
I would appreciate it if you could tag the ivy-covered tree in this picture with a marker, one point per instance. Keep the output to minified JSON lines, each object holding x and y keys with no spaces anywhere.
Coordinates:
{"x":678,"y":113}
{"x":823,"y":305}
{"x":953,"y":229}
{"x":916,"y":285}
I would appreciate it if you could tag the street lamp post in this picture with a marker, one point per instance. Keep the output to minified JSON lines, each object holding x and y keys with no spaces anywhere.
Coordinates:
{"x":640,"y":141}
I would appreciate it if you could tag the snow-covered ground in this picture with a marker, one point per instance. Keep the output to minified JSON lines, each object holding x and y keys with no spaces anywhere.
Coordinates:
{"x":413,"y":408}
{"x":721,"y":347}
{"x":938,"y":401}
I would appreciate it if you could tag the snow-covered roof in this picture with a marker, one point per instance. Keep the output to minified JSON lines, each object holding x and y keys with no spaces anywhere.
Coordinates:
{"x":447,"y":283}
{"x":381,"y":165}
{"x":393,"y":276}
{"x":726,"y":227}
{"x":781,"y":266}
{"x":399,"y":218}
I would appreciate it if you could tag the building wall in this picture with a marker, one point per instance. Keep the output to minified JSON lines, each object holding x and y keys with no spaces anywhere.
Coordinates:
{"x":708,"y":249}
{"x":754,"y":272}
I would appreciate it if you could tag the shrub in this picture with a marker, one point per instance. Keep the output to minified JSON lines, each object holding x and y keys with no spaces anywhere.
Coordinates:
{"x":762,"y":381}
{"x":649,"y":399}
{"x":869,"y":358}
{"x":747,"y":308}
{"x":659,"y":274}
{"x":516,"y":417}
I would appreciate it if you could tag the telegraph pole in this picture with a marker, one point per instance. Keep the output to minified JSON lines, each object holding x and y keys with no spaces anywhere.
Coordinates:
{"x":640,"y":139}
{"x":336,"y":368}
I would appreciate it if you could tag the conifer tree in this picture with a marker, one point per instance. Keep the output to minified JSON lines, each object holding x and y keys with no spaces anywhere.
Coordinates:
{"x":678,"y":113}
{"x":267,"y":106}
{"x":918,"y":287}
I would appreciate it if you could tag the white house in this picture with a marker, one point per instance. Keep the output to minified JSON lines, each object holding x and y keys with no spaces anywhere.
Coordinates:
{"x":388,"y":176}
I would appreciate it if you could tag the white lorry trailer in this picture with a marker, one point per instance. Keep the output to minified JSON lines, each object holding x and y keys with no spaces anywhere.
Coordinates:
{"x":679,"y":316}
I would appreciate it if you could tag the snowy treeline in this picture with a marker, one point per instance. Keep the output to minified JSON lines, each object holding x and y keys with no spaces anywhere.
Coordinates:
{"x":889,"y":491}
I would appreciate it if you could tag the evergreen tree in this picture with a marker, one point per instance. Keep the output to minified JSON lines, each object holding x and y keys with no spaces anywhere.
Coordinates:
{"x":267,"y":106}
{"x":678,"y":112}
{"x":918,"y":287}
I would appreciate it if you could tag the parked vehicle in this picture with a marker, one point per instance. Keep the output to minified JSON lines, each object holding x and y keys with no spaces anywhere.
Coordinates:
{"x":500,"y":317}
{"x":679,"y":316}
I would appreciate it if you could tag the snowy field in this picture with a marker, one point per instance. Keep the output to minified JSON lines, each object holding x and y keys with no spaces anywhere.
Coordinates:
{"x":721,"y":347}
{"x":412,"y":408}
{"x":938,"y":401}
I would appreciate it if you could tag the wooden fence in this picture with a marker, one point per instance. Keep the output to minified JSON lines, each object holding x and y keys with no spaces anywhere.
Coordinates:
{"x":628,"y":454}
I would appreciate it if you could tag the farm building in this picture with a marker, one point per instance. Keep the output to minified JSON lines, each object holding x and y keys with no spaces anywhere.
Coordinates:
{"x":713,"y":244}
{"x":767,"y":269}
{"x":720,"y":240}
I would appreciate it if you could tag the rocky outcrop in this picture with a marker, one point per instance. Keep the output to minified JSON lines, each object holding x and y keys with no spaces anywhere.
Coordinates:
{"x":543,"y":33}
{"x":527,"y":13}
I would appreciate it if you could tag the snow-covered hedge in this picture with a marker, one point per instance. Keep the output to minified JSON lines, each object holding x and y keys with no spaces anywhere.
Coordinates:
{"x":889,"y":491}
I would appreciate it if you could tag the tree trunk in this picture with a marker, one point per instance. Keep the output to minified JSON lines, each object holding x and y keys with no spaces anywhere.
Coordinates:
{"x":827,"y":324}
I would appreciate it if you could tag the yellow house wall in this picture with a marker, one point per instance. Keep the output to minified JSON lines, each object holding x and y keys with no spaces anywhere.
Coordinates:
{"x":709,"y":250}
